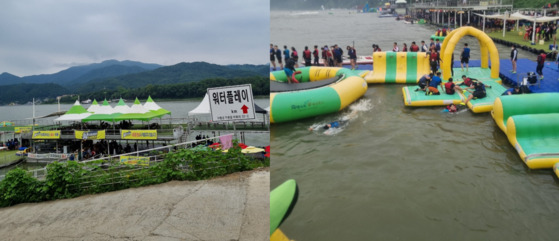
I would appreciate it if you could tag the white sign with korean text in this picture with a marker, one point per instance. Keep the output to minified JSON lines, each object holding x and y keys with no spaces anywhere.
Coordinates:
{"x":231,"y":103}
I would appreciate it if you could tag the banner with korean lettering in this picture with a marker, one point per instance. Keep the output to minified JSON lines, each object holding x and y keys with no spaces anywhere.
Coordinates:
{"x":90,"y":135}
{"x":135,"y":160}
{"x":46,"y":135}
{"x":138,"y":134}
{"x":20,"y":129}
{"x":231,"y":103}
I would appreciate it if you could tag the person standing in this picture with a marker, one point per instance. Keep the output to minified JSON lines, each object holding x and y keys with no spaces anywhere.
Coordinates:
{"x":541,"y":62}
{"x":325,"y":56}
{"x":295,"y":56}
{"x":307,"y":56}
{"x":352,"y":56}
{"x":465,"y":57}
{"x":273,"y":56}
{"x":438,"y":46}
{"x":424,"y":47}
{"x":278,"y":56}
{"x":513,"y":58}
{"x":414,"y":47}
{"x":315,"y":54}
{"x":285,"y":53}
{"x":434,"y":61}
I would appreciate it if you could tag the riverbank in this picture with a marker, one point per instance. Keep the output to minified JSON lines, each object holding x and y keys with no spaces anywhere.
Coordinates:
{"x":234,"y":207}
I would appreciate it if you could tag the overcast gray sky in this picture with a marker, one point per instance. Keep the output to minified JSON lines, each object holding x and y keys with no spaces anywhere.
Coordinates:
{"x":47,"y":36}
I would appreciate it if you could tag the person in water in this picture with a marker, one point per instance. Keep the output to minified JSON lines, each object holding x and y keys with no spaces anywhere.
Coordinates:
{"x":339,"y":123}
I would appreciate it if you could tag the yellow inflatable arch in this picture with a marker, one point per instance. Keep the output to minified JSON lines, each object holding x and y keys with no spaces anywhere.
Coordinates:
{"x":486,"y":44}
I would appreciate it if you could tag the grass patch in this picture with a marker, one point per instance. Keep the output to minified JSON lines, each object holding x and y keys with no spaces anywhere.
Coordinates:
{"x":8,"y":157}
{"x":514,"y":37}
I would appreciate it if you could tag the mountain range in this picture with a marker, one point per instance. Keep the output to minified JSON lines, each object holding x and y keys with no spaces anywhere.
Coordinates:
{"x":113,"y":74}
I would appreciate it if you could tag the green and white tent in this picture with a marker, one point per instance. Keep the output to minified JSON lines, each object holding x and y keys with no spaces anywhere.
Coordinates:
{"x":137,"y":112}
{"x":154,"y":109}
{"x":104,"y":113}
{"x":75,"y":113}
{"x":93,"y":107}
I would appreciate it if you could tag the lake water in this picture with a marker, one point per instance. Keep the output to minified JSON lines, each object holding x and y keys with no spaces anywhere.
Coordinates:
{"x":399,"y":173}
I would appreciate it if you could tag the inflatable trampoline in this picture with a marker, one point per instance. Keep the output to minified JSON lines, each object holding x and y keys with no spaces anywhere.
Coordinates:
{"x":321,"y":90}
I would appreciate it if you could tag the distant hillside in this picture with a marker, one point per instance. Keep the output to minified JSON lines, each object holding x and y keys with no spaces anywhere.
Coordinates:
{"x":264,"y":70}
{"x":9,"y":79}
{"x":82,"y":74}
{"x":23,"y":93}
{"x":175,"y":74}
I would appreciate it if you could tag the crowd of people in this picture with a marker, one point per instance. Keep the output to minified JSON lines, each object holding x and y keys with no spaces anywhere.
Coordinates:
{"x":12,"y":144}
{"x":331,"y":56}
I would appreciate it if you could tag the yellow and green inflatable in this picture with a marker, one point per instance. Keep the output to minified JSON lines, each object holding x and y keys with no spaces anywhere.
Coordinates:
{"x":530,"y":123}
{"x":321,"y":90}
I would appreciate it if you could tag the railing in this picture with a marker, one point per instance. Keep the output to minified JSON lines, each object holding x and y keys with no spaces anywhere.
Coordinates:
{"x":152,"y":154}
{"x":462,"y":3}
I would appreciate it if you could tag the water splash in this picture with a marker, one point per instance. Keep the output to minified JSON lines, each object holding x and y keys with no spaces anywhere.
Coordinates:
{"x":345,"y":118}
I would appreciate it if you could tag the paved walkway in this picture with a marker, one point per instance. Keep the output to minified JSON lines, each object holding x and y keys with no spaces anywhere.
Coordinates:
{"x":235,"y":207}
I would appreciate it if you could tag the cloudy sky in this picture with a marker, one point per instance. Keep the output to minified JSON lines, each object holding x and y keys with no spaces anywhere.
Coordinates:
{"x":47,"y":36}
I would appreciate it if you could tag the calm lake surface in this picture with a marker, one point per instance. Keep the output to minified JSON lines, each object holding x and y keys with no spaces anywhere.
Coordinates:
{"x":399,"y":173}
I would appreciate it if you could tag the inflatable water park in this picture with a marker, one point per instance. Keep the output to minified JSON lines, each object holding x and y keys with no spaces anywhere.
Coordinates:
{"x":529,"y":120}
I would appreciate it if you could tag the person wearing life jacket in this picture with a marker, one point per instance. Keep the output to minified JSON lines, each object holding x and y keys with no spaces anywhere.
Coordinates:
{"x":513,"y":91}
{"x":325,"y":56}
{"x":451,"y":108}
{"x":450,"y":88}
{"x":352,"y":56}
{"x":295,"y":56}
{"x":290,"y":70}
{"x":414,"y":47}
{"x":315,"y":55}
{"x":444,"y":32}
{"x":278,"y":56}
{"x":434,"y":61}
{"x":395,"y":48}
{"x":423,"y":82}
{"x":465,"y":57}
{"x":285,"y":53}
{"x":541,"y":62}
{"x":424,"y":47}
{"x":478,"y":91}
{"x":273,"y":56}
{"x":438,"y":32}
{"x":307,"y":56}
{"x":434,"y":85}
{"x":466,"y":81}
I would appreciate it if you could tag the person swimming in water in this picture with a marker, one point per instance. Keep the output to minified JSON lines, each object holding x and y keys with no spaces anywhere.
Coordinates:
{"x":336,"y":124}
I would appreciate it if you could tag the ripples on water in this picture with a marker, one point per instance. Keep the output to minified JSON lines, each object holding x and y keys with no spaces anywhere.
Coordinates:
{"x":398,"y":173}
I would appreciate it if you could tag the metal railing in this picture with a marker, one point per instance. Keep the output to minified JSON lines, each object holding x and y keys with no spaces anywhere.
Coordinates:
{"x":153,"y":154}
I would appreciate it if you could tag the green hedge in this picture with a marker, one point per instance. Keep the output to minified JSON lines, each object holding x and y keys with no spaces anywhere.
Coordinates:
{"x":72,"y":179}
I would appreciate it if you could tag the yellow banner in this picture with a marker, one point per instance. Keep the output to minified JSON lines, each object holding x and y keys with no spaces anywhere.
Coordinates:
{"x":90,"y":135}
{"x":135,"y":160}
{"x":138,"y":134}
{"x":20,"y":129}
{"x":46,"y":135}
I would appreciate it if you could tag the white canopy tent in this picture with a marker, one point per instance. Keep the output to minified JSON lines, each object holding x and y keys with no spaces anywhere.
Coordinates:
{"x":204,"y":108}
{"x":518,"y":16}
